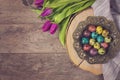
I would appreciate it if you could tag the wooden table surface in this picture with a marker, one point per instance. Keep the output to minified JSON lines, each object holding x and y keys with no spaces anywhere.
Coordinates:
{"x":26,"y":53}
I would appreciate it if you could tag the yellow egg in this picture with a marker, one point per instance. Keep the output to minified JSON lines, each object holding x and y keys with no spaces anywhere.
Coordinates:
{"x":101,"y":51}
{"x":92,"y":42}
{"x":99,"y":29}
{"x":105,"y":33}
{"x":97,"y":45}
{"x":108,"y":39}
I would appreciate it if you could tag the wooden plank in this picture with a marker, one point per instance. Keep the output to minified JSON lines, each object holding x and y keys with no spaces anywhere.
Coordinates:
{"x":27,"y":38}
{"x":41,"y":67}
{"x":13,"y":11}
{"x":20,"y":30}
{"x":12,"y":5}
{"x":14,"y":17}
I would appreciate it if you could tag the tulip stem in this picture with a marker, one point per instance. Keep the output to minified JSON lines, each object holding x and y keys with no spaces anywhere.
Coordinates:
{"x":62,"y":31}
{"x":68,"y":11}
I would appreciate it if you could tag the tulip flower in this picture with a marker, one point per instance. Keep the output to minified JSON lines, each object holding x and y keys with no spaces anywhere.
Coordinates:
{"x":46,"y":26}
{"x":53,"y":28}
{"x":46,"y":12}
{"x":39,"y":3}
{"x":63,"y":10}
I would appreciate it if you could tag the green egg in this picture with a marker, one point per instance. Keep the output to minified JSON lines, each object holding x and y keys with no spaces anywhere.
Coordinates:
{"x":85,"y":40}
{"x":100,"y":39}
{"x":94,"y":35}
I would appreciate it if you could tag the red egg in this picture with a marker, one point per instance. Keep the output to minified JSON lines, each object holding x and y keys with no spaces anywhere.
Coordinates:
{"x":93,"y":51}
{"x":86,"y":47}
{"x":86,"y":33}
{"x":92,"y":28}
{"x":104,"y":45}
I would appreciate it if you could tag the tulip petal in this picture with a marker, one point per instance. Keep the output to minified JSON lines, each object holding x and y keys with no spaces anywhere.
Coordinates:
{"x":53,"y":28}
{"x":46,"y":26}
{"x":39,"y":2}
{"x":46,"y":12}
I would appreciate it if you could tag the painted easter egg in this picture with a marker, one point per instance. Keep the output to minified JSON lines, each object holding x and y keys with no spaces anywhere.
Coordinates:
{"x":101,"y":51}
{"x":86,"y":47}
{"x":85,"y":40}
{"x":99,"y":29}
{"x":96,"y":45}
{"x":94,"y":35}
{"x":105,"y":33}
{"x":93,"y":52}
{"x":91,"y":28}
{"x":100,"y":39}
{"x":108,"y":39}
{"x":104,"y":45}
{"x":86,"y":33}
{"x":92,"y":42}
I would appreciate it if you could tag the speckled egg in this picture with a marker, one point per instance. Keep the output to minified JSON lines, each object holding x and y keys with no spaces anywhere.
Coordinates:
{"x":108,"y":39}
{"x":96,"y":45}
{"x":86,"y":47}
{"x":85,"y":40}
{"x":91,"y":28}
{"x":105,"y":33}
{"x":99,"y":29}
{"x":95,"y":40}
{"x":94,"y":35}
{"x":104,"y":45}
{"x":101,"y":51}
{"x":93,"y":52}
{"x":100,"y":39}
{"x":92,"y":42}
{"x":86,"y":33}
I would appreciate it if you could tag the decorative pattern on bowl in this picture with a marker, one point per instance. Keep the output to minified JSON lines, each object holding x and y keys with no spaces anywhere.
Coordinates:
{"x":113,"y":45}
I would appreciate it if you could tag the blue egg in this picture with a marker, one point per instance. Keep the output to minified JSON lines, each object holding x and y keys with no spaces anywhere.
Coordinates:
{"x":85,"y":40}
{"x":100,"y":39}
{"x":94,"y":35}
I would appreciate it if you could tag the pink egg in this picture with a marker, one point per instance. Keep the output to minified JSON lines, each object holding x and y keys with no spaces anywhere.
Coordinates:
{"x":92,"y":28}
{"x":104,"y":45}
{"x":86,"y":47}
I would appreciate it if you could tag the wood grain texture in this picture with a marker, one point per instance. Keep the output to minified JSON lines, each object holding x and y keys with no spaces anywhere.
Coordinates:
{"x":20,"y":32}
{"x":27,"y":38}
{"x":13,"y":11}
{"x":41,"y":67}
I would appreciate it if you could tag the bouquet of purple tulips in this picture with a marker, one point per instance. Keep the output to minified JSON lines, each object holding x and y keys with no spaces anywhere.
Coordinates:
{"x":58,"y":13}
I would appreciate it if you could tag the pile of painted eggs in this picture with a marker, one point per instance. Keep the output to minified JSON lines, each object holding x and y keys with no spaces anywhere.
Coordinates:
{"x":95,"y":40}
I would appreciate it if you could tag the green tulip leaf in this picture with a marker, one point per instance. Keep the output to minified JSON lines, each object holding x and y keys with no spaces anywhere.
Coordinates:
{"x":62,"y":31}
{"x":72,"y":9}
{"x":37,"y":11}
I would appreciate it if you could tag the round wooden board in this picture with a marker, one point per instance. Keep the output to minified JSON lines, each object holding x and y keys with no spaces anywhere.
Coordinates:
{"x":94,"y":68}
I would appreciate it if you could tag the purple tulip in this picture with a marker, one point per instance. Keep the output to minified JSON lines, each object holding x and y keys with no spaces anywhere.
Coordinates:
{"x":53,"y":28}
{"x":46,"y":26}
{"x":46,"y":12}
{"x":39,"y":3}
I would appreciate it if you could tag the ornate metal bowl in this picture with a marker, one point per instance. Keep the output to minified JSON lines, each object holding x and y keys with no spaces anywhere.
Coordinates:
{"x":113,"y":46}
